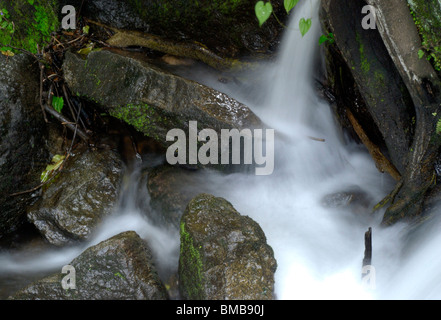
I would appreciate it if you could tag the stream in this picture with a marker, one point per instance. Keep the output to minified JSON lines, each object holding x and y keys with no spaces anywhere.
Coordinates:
{"x":319,"y":249}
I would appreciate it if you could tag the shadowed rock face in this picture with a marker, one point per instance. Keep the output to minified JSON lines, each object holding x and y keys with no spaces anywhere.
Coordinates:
{"x":366,"y":65}
{"x":223,"y":255}
{"x":229,"y":28}
{"x":119,"y":268}
{"x":22,"y":133}
{"x":76,"y":202}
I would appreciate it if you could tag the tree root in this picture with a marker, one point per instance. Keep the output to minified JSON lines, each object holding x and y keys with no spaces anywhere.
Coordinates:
{"x":192,"y":50}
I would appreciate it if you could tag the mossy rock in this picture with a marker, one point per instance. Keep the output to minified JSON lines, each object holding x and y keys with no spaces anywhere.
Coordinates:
{"x":78,"y":200}
{"x":151,"y":99}
{"x":224,"y":255}
{"x":33,"y":22}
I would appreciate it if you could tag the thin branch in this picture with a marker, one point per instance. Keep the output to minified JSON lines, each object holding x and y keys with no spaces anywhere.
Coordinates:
{"x":73,"y":127}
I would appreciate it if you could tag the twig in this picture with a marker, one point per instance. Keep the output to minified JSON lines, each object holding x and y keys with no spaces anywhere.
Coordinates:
{"x":382,"y":163}
{"x":84,"y":136}
{"x":317,"y":139}
{"x":41,"y":66}
{"x":367,"y":260}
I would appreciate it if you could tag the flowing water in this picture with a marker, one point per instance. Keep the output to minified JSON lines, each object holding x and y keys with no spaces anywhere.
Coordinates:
{"x":319,"y":249}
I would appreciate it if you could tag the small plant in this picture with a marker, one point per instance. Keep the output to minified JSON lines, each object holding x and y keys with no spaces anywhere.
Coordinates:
{"x":329,"y":37}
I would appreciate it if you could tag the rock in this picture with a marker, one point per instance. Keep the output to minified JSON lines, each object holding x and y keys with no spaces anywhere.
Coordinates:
{"x":353,"y":199}
{"x":85,"y":192}
{"x":22,"y":135}
{"x":119,"y":268}
{"x":171,"y":188}
{"x":228,"y":28}
{"x":359,"y":62}
{"x":223,"y":255}
{"x":153,"y":101}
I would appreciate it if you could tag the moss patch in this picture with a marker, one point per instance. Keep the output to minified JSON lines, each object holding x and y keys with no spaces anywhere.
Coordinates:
{"x":427,"y":18}
{"x":33,"y":20}
{"x":193,"y":272}
{"x":143,"y":118}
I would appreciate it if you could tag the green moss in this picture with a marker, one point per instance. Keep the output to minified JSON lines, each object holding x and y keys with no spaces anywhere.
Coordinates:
{"x":365,"y":66}
{"x":34,"y":21}
{"x":143,"y":118}
{"x":191,"y":272}
{"x":427,"y":18}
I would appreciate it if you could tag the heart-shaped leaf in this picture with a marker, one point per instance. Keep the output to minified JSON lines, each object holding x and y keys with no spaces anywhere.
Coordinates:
{"x":304,"y":25}
{"x":263,"y":11}
{"x":289,"y":4}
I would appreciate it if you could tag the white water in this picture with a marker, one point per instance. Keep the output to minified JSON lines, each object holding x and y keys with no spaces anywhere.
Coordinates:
{"x":319,"y":250}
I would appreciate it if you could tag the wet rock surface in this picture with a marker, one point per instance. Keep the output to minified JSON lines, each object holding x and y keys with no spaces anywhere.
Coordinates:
{"x":22,"y":134}
{"x":352,"y":198}
{"x":223,"y":255}
{"x":77,"y":200}
{"x":153,"y":101}
{"x":119,"y":268}
{"x":171,"y":189}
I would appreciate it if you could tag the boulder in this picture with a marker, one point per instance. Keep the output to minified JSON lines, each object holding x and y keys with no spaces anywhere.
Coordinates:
{"x":152,"y":100}
{"x":352,"y":198}
{"x":223,"y":255}
{"x":171,"y":189}
{"x":83,"y":194}
{"x":119,"y":268}
{"x":22,"y":135}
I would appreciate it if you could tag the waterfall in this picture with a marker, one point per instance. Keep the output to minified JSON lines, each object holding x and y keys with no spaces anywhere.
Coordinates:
{"x":318,"y":248}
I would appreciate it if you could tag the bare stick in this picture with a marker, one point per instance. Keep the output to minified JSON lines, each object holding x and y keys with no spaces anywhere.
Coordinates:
{"x":367,"y":260}
{"x":41,"y":91}
{"x":68,"y":123}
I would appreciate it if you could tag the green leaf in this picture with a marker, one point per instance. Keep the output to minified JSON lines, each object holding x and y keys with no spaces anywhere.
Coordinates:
{"x":263,"y":11}
{"x":304,"y":25}
{"x":58,"y":103}
{"x":289,"y":4}
{"x":323,"y":38}
{"x":420,"y":53}
{"x":57,"y":161}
